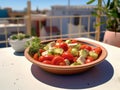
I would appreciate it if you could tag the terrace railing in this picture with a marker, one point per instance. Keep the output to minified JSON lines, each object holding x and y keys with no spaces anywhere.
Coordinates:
{"x":10,"y":26}
{"x":51,"y":27}
{"x":67,"y":27}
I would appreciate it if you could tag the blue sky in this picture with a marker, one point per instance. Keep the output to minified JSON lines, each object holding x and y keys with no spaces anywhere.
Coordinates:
{"x":41,"y":4}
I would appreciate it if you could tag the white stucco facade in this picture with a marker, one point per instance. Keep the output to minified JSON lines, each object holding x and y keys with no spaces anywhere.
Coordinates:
{"x":58,"y":10}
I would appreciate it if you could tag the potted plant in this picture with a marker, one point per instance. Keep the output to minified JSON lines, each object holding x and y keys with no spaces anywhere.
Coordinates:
{"x":111,"y":9}
{"x":18,"y":41}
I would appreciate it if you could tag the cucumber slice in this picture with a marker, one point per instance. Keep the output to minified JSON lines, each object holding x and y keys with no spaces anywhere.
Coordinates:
{"x":83,"y":53}
{"x":68,"y":41}
{"x":77,"y":46}
{"x":75,"y":63}
{"x":74,"y":52}
{"x":51,"y":51}
{"x":93,"y":54}
{"x":58,"y":51}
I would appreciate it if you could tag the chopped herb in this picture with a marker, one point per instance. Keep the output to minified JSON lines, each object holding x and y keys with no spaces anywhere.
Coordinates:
{"x":35,"y":45}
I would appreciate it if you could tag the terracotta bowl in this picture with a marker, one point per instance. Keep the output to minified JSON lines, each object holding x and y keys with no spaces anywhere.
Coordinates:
{"x":69,"y":69}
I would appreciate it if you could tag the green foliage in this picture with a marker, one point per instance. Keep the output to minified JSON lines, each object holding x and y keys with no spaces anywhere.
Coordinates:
{"x":110,"y":8}
{"x":19,"y":36}
{"x":34,"y":45}
{"x":33,"y":32}
{"x":90,"y":1}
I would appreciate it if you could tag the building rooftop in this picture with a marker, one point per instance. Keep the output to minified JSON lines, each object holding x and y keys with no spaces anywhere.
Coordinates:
{"x":76,"y":7}
{"x":3,"y":13}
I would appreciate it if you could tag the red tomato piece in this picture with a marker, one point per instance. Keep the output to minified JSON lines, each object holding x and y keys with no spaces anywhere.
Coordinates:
{"x":62,"y":63}
{"x":69,"y":49}
{"x":59,"y":41}
{"x":36,"y":56}
{"x":64,"y":46}
{"x":67,"y":55}
{"x":49,"y":57}
{"x":57,"y":45}
{"x":47,"y":62}
{"x":41,"y":50}
{"x":89,"y":59}
{"x":57,"y":60}
{"x":98,"y":50}
{"x":46,"y":57}
{"x":75,"y":58}
{"x":87,"y":47}
{"x":73,"y":41}
{"x":41,"y":58}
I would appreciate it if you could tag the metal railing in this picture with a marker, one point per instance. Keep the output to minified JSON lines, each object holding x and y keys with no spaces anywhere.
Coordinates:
{"x":51,"y":27}
{"x":9,"y":26}
{"x":67,"y":27}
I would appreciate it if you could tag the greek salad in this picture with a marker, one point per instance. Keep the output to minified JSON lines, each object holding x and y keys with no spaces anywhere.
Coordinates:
{"x":69,"y":52}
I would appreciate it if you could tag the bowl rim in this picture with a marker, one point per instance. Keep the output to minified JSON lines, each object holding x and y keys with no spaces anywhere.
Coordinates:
{"x":97,"y":61}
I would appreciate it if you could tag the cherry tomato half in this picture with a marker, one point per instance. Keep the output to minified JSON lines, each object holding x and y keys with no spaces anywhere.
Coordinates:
{"x":98,"y":50}
{"x":67,"y":55}
{"x":89,"y":59}
{"x":62,"y":45}
{"x":41,"y":50}
{"x":47,"y":62}
{"x":41,"y":58}
{"x":59,"y":41}
{"x":36,"y":56}
{"x":58,"y":60}
{"x":87,"y":47}
{"x":73,"y":41}
{"x":46,"y":57}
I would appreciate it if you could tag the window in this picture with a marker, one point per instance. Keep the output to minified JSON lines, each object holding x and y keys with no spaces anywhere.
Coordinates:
{"x":76,"y":20}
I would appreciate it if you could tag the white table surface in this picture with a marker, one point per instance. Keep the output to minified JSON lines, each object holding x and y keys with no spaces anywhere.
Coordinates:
{"x":17,"y":73}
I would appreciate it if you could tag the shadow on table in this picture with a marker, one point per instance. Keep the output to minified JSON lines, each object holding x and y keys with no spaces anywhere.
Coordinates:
{"x":19,"y":53}
{"x":91,"y":78}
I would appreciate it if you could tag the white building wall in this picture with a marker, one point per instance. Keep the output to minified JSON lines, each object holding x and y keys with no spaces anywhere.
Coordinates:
{"x":72,"y":10}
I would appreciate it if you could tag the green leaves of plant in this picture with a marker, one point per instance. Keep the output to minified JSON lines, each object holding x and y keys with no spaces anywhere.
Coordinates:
{"x":19,"y":36}
{"x":91,"y":1}
{"x":109,"y":8}
{"x":108,"y":3}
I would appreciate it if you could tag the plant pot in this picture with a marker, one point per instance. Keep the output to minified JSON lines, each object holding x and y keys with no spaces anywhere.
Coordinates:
{"x":18,"y":45}
{"x":112,"y":38}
